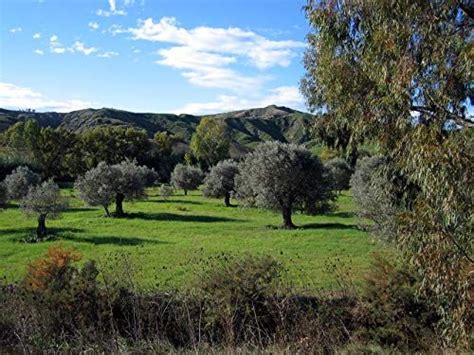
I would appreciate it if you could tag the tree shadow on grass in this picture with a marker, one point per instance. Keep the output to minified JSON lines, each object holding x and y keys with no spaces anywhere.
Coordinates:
{"x":18,"y":234}
{"x":342,"y":214}
{"x":179,"y":217}
{"x":328,"y":226}
{"x":107,"y":239}
{"x":161,"y":200}
{"x":80,"y":209}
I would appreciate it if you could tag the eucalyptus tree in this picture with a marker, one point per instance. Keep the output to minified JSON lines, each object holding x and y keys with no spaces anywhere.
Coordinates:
{"x":400,"y":73}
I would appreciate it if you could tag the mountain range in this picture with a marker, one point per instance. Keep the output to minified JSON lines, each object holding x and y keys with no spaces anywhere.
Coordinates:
{"x":247,"y":127}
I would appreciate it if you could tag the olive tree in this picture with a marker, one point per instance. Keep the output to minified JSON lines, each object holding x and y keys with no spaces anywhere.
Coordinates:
{"x":186,"y":177}
{"x":95,"y":187}
{"x":372,"y":198}
{"x":340,"y":173}
{"x":43,"y":201}
{"x":281,"y":176}
{"x":19,"y":182}
{"x":220,"y":181}
{"x":105,"y":184}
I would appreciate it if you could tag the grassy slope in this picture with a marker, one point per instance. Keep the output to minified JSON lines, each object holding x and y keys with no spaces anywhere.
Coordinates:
{"x":167,"y":239}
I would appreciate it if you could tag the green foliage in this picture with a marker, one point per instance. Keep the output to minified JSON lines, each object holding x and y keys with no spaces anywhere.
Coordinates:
{"x":113,"y":145}
{"x":210,"y":143}
{"x":372,"y":65}
{"x":340,"y":173}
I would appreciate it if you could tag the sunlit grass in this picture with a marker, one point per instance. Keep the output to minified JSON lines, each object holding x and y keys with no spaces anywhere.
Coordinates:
{"x":166,"y":239}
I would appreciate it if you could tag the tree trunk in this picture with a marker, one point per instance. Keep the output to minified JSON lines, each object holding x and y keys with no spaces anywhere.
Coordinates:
{"x":41,"y":230}
{"x":107,"y":213}
{"x":227,"y":199}
{"x":185,"y":192}
{"x":119,"y":204}
{"x":287,"y":222}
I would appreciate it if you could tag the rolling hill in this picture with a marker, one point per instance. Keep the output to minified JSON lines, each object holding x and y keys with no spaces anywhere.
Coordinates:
{"x":247,"y":127}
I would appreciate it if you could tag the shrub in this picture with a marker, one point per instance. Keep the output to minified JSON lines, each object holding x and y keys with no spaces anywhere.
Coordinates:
{"x":235,"y":291}
{"x":19,"y":182}
{"x":220,"y":181}
{"x":395,"y":314}
{"x":166,"y":191}
{"x":340,"y":173}
{"x":43,"y":201}
{"x":186,"y":177}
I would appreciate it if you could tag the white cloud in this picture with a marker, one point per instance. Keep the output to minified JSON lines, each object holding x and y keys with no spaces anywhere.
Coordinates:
{"x":15,"y":97}
{"x":93,"y":26}
{"x":288,"y":96}
{"x":15,"y":29}
{"x":37,"y":36}
{"x":136,"y":51}
{"x":39,"y":51}
{"x":77,"y":47}
{"x":205,"y":55}
{"x":81,"y":48}
{"x":261,"y":52}
{"x":115,"y":30}
{"x":107,"y":54}
{"x":113,"y":11}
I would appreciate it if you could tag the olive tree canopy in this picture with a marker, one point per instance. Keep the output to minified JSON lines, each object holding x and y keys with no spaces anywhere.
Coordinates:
{"x":43,"y":201}
{"x":107,"y":183}
{"x":19,"y":182}
{"x":281,"y":176}
{"x":220,"y":181}
{"x":186,"y":177}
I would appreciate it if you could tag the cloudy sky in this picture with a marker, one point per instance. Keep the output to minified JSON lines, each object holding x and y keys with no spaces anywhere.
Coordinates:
{"x":193,"y":56}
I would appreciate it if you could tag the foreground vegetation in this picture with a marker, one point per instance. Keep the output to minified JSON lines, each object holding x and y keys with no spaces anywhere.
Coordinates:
{"x":166,"y":239}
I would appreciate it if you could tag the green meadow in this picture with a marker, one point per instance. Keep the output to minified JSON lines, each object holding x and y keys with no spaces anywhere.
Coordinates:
{"x":164,"y":241}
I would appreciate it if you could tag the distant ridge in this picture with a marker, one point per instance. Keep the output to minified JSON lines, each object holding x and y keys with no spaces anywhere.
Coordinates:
{"x":247,"y":127}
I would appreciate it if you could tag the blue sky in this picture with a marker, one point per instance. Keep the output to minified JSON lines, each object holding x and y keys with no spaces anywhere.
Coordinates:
{"x":192,"y":56}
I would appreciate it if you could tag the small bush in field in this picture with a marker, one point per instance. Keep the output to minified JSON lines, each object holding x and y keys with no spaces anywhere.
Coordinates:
{"x":234,"y":291}
{"x":19,"y":182}
{"x":395,"y":315}
{"x":166,"y":191}
{"x":53,"y":271}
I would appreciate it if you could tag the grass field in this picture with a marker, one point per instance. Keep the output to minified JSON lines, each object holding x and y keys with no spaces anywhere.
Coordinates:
{"x":165,"y":240}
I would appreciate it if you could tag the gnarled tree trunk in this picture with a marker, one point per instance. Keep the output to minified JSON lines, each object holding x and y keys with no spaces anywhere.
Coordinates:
{"x":41,"y":230}
{"x":119,"y":197}
{"x":227,"y":199}
{"x":287,"y":222}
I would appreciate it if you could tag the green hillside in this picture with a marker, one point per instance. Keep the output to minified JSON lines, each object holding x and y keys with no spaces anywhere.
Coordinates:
{"x":247,"y":127}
